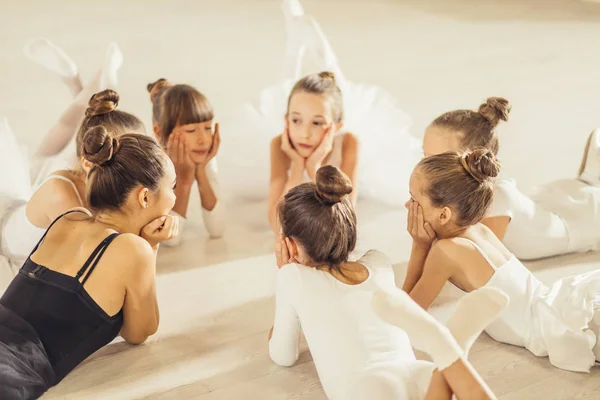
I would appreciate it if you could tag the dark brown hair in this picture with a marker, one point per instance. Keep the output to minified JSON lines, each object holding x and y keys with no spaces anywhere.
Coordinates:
{"x":321,"y":218}
{"x":478,"y":128}
{"x":462,"y":181}
{"x":322,"y":84}
{"x":174,"y":105}
{"x":156,"y":90}
{"x":102,"y":111}
{"x":120,"y":163}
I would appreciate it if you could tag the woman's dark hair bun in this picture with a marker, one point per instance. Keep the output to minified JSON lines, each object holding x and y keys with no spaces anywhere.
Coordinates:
{"x":99,"y":146}
{"x":332,"y":184}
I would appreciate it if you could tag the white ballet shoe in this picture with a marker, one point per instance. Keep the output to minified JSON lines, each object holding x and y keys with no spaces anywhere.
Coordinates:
{"x":112,"y":63}
{"x":51,"y":57}
{"x":590,"y":169}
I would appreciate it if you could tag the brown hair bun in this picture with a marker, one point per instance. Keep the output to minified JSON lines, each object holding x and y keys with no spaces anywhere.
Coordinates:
{"x":156,"y":87}
{"x":495,"y":109}
{"x":481,"y":164}
{"x":327,"y":75}
{"x":332,"y":185}
{"x":99,"y":145}
{"x":102,"y":103}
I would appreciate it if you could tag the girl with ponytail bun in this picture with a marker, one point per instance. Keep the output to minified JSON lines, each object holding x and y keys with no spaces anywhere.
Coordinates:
{"x":335,"y":300}
{"x":451,"y":195}
{"x":316,"y":118}
{"x":93,"y":272}
{"x":64,"y":184}
{"x":560,"y":217}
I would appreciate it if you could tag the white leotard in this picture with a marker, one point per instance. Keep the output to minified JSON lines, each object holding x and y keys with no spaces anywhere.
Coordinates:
{"x":18,"y":236}
{"x":214,"y":220}
{"x":349,"y":343}
{"x":548,"y":321}
{"x":560,"y":217}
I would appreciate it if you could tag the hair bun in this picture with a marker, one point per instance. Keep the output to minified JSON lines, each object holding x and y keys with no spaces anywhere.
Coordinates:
{"x":327,"y":75}
{"x":155,"y":88}
{"x":332,"y":184}
{"x":99,"y":146}
{"x":481,"y":164}
{"x":495,"y":109}
{"x":102,"y":103}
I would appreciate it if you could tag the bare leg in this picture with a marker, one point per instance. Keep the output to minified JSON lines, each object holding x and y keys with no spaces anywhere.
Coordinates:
{"x":438,"y":388}
{"x":465,"y":382}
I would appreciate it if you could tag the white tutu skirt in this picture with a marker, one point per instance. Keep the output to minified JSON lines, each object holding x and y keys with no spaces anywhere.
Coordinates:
{"x":20,"y":176}
{"x":387,"y":155}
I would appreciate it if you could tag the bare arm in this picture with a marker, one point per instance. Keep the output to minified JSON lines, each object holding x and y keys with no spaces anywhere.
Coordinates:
{"x":349,"y":165}
{"x":281,"y":182}
{"x":213,"y":211}
{"x":52,"y":199}
{"x":498,"y":225}
{"x":140,"y":309}
{"x":436,"y":271}
{"x":182,"y":193}
{"x":414,"y":271}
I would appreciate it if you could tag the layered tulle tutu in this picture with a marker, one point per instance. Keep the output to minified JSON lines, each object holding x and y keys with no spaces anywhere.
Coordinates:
{"x":387,"y":152}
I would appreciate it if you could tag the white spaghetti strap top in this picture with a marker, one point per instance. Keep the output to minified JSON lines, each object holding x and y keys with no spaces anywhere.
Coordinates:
{"x":64,"y":179}
{"x":18,"y":235}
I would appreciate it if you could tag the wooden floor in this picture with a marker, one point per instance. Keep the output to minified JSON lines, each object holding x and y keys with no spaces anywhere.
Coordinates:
{"x":216,"y":296}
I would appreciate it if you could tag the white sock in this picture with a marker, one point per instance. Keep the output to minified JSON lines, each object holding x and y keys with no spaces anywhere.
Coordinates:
{"x":112,"y":63}
{"x":295,"y":46}
{"x":56,"y":60}
{"x":426,"y":334}
{"x":320,"y":49}
{"x":474,"y":312}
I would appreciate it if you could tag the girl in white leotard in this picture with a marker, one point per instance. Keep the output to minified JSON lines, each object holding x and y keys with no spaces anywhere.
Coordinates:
{"x":24,"y":219}
{"x":21,"y":225}
{"x":450,"y":195}
{"x":320,"y":291}
{"x":325,"y":119}
{"x":559,"y":217}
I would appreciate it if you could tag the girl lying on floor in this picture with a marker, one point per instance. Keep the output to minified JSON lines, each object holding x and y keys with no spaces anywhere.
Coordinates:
{"x":451,"y":194}
{"x":329,"y":297}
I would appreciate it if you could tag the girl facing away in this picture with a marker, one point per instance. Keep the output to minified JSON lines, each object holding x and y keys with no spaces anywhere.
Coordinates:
{"x":341,"y":306}
{"x":92,"y":276}
{"x":314,"y":119}
{"x":182,"y":119}
{"x":559,"y":217}
{"x":451,"y":193}
{"x":25,"y":219}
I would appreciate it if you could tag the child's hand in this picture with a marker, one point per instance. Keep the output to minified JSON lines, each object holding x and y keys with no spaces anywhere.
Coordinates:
{"x":160,"y":230}
{"x":286,"y":147}
{"x":315,"y":160}
{"x":178,"y":152}
{"x":214,"y":148}
{"x":421,"y":231}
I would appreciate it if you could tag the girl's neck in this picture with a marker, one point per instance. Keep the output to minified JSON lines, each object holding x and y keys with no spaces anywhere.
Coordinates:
{"x":451,"y":232}
{"x":119,"y":222}
{"x":350,"y":273}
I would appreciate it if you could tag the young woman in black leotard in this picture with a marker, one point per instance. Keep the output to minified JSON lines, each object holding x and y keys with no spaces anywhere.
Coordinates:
{"x":92,"y":276}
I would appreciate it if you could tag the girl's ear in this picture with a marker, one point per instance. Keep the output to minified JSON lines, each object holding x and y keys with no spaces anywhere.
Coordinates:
{"x":292,"y":248}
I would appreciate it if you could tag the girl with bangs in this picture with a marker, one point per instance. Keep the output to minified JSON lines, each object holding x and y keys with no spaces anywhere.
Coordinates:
{"x":182,"y":120}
